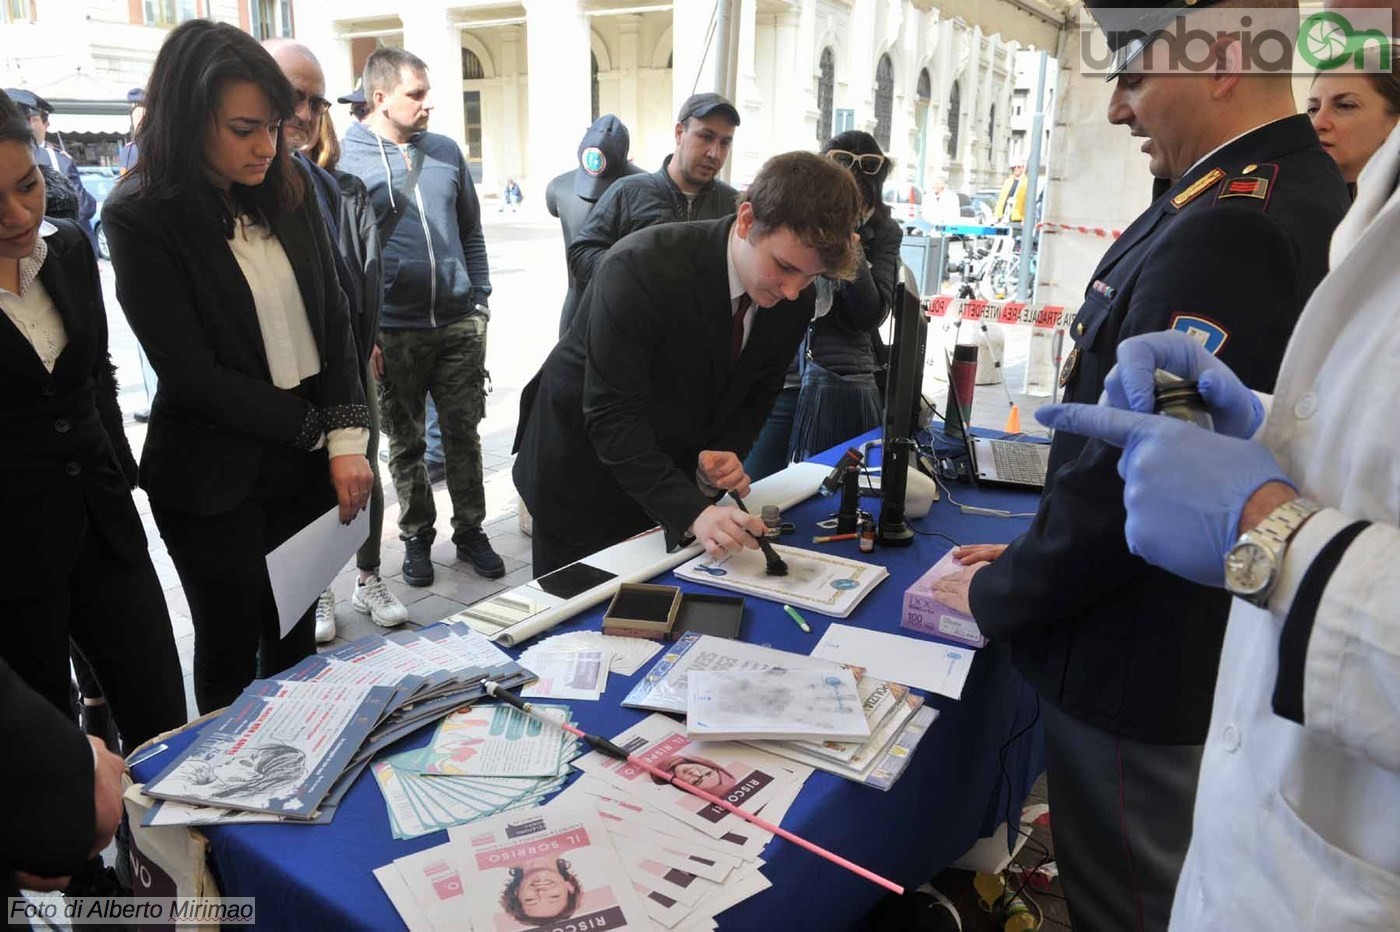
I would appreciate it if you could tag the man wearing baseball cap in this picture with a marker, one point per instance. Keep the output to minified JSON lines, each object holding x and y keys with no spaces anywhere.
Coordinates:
{"x":356,"y":99}
{"x":127,"y":155}
{"x":602,"y":159}
{"x":686,"y":188}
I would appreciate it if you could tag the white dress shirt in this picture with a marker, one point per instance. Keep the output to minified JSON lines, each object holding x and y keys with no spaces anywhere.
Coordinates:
{"x":31,"y":310}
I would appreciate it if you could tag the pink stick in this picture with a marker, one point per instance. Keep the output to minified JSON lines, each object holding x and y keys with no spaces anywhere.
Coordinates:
{"x":750,"y":817}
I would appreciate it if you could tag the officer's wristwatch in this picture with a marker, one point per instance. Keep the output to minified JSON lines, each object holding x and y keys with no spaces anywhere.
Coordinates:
{"x":1252,"y":566}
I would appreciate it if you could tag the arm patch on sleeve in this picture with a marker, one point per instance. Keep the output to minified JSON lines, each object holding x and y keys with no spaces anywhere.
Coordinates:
{"x":1204,"y":330}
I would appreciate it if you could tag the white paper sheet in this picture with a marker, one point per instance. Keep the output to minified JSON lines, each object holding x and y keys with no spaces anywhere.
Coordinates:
{"x":930,"y":665}
{"x":576,"y":674}
{"x":302,"y":568}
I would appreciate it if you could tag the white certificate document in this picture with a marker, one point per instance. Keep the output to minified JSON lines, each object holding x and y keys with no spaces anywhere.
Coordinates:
{"x":302,"y":568}
{"x":930,"y":665}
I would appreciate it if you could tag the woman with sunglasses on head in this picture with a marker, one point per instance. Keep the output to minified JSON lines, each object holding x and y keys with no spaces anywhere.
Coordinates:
{"x":225,"y":271}
{"x":1354,"y":114}
{"x":831,"y":393}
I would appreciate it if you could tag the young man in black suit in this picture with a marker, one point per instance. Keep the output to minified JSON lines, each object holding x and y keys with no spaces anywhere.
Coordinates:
{"x":644,"y":412}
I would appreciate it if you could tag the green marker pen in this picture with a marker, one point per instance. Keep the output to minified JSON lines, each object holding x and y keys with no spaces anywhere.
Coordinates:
{"x":801,"y":622}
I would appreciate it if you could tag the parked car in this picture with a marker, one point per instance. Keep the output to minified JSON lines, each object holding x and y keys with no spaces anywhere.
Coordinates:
{"x":905,"y":201}
{"x":98,"y":180}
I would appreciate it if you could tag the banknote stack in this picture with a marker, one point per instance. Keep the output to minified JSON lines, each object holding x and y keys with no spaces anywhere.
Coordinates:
{"x":616,"y":850}
{"x":289,"y":748}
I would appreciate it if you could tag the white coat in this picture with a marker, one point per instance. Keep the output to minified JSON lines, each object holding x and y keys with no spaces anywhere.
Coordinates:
{"x":1297,"y":826}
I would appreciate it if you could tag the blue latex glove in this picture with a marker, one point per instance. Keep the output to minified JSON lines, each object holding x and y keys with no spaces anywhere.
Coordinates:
{"x":1184,"y":487}
{"x":1235,"y":409}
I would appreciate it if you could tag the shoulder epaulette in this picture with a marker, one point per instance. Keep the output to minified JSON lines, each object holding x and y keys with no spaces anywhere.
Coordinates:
{"x":1253,"y":185}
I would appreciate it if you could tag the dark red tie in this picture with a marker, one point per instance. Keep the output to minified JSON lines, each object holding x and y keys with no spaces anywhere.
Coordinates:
{"x":736,"y":337}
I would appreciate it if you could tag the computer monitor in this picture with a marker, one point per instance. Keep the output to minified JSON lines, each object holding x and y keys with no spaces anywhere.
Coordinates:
{"x":904,"y":384}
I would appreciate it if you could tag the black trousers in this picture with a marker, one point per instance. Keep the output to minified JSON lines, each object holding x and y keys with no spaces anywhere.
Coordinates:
{"x":1120,"y":816}
{"x":222,"y":563}
{"x":112,"y":608}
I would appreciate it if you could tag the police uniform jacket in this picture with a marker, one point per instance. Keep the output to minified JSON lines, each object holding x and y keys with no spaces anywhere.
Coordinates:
{"x":1230,"y":254}
{"x":613,"y":425}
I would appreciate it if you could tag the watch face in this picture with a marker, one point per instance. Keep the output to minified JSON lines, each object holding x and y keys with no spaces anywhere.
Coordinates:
{"x":1248,"y":568}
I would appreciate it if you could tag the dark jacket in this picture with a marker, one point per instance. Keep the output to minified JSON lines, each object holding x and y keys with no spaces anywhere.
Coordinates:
{"x":636,"y":202}
{"x":841,"y":340}
{"x":562,"y":201}
{"x":67,"y":459}
{"x":613,"y":424}
{"x":216,"y":415}
{"x":1110,"y":640}
{"x":63,"y":163}
{"x":435,"y":267}
{"x":349,"y":216}
{"x":47,"y":828}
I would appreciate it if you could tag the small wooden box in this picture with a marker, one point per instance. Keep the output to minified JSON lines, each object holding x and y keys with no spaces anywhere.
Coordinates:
{"x":641,"y":610}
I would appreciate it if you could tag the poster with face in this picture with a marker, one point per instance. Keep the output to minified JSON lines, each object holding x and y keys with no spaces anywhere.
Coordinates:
{"x":552,"y":869}
{"x":742,"y":776}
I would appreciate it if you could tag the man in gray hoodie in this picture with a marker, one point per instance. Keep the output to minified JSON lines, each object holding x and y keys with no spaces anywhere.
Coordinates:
{"x":432,"y":331}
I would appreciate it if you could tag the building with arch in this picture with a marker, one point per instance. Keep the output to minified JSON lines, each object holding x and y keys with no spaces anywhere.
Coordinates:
{"x":534,"y":73}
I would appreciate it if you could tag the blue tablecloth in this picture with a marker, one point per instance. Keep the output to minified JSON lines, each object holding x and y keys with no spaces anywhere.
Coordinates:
{"x":967,"y":775}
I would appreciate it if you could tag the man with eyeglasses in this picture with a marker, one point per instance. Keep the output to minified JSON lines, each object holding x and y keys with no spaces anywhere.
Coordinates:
{"x":687,"y":187}
{"x":345,"y":206}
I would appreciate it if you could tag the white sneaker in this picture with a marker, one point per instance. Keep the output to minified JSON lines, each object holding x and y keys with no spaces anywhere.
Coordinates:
{"x":325,"y":618}
{"x":373,"y":598}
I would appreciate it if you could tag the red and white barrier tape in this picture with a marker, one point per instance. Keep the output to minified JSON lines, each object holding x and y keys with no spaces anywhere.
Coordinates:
{"x":1048,"y":316}
{"x":1076,"y":228}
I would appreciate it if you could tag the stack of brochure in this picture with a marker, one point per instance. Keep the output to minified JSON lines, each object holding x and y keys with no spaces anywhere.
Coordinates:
{"x":614,"y":851}
{"x":897,"y":719}
{"x":484,"y":760}
{"x":289,"y":748}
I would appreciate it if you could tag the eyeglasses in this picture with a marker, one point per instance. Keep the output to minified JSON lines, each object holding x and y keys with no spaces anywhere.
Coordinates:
{"x":318,"y":105}
{"x":870,"y":163}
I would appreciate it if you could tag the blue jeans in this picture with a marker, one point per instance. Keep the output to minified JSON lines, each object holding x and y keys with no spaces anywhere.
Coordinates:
{"x":433,"y":433}
{"x":769,"y":453}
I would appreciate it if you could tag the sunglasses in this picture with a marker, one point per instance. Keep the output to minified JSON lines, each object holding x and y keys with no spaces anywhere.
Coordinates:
{"x":318,"y":105}
{"x":870,"y":163}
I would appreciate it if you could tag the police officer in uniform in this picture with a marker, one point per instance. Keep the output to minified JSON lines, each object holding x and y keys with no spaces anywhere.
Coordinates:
{"x":1124,"y":655}
{"x":36,"y":110}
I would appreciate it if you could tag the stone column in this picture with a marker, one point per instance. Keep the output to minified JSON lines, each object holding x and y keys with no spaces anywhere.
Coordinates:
{"x":560,"y":76}
{"x":428,"y":34}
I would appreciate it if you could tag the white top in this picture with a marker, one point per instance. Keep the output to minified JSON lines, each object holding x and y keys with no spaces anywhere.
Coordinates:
{"x":1297,"y":826}
{"x":736,"y":289}
{"x":32,"y":311}
{"x":292,"y":354}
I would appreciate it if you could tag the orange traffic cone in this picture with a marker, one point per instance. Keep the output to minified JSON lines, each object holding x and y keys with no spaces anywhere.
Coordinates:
{"x":1013,"y":421}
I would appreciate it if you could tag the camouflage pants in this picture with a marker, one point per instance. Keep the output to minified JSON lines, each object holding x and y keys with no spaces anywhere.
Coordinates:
{"x":450,"y":362}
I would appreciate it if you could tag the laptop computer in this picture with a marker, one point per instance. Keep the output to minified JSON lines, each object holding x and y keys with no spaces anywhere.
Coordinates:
{"x":1019,"y":463}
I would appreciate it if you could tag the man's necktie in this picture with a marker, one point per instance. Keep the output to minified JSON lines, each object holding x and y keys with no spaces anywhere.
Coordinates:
{"x":736,"y":338}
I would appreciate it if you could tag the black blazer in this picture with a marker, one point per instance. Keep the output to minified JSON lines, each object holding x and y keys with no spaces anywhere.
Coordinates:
{"x":48,"y":827}
{"x":1117,"y":643}
{"x":613,"y":424}
{"x":66,"y":453}
{"x":217,"y":415}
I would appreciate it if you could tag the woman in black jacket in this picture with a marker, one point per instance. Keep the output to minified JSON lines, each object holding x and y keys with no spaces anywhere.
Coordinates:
{"x":831,"y":393}
{"x":225,"y":271}
{"x":75,"y":560}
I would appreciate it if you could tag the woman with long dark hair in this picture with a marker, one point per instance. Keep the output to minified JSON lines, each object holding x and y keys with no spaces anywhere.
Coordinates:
{"x":225,"y":271}
{"x":831,"y":393}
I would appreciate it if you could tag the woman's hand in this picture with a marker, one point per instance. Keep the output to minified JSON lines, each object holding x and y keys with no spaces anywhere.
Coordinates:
{"x":352,"y":478}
